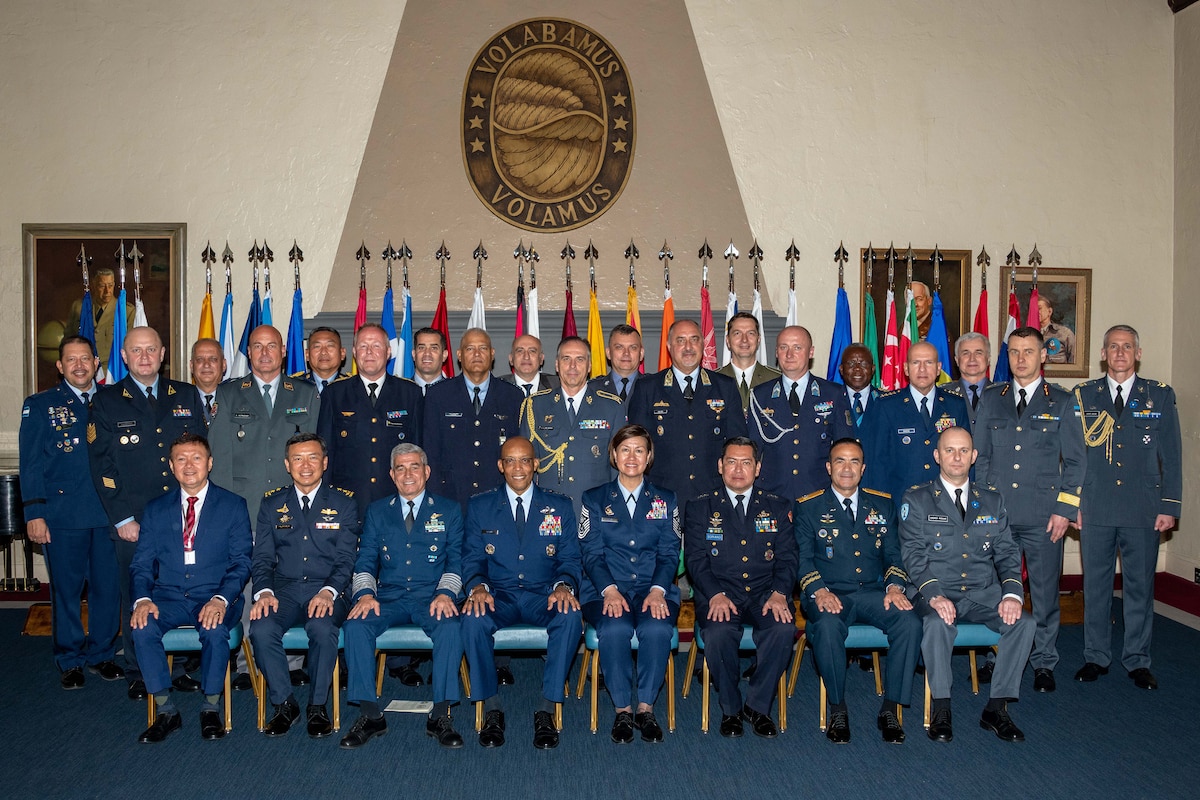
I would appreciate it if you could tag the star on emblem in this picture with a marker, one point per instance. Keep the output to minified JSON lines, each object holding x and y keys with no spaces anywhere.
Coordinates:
{"x":619,"y":99}
{"x":476,"y":122}
{"x":476,"y":146}
{"x":619,"y":146}
{"x":476,"y":101}
{"x":621,"y":124}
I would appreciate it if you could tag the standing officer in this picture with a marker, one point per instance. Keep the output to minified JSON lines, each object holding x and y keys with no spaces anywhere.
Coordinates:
{"x":526,"y":360}
{"x":741,"y":555}
{"x":625,"y":353}
{"x":207,"y":366}
{"x":689,"y":412}
{"x":132,"y":426}
{"x":743,"y":335}
{"x":407,"y":573}
{"x":959,"y":552}
{"x":570,"y":426}
{"x":467,"y":420}
{"x":857,"y":371}
{"x":973,"y":354}
{"x":363,"y":419}
{"x":325,"y":356}
{"x":304,"y":548}
{"x":79,"y":549}
{"x":901,"y":432}
{"x":522,"y":565}
{"x":1131,"y":496}
{"x":795,"y":418}
{"x":850,"y":571}
{"x":1031,"y":450}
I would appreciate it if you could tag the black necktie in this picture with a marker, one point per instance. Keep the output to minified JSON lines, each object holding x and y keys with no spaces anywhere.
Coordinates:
{"x":741,"y":508}
{"x":520,"y":517}
{"x":925,"y":408}
{"x":528,"y":388}
{"x":1119,"y":403}
{"x":849,"y":508}
{"x":410,"y":517}
{"x":794,"y":400}
{"x":476,"y":404}
{"x":150,"y":397}
{"x":99,"y":313}
{"x":304,"y":505}
{"x":324,"y":385}
{"x":858,"y":408}
{"x":688,"y":392}
{"x":974,"y":397}
{"x":208,"y":398}
{"x":371,"y":387}
{"x":86,"y":400}
{"x":571,"y":411}
{"x":958,"y":501}
{"x":624,"y":394}
{"x":1022,"y":403}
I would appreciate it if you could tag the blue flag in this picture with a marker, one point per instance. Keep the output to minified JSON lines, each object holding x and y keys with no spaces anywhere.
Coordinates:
{"x":87,"y":320}
{"x":295,"y":337}
{"x":938,"y":337}
{"x":409,"y":369}
{"x":842,"y":336}
{"x":387,"y":321}
{"x":266,"y":309}
{"x":227,"y":341}
{"x":116,"y":364}
{"x":253,"y":320}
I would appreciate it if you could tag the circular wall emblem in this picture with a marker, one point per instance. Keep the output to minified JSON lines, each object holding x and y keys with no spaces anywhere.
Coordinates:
{"x":548,"y":125}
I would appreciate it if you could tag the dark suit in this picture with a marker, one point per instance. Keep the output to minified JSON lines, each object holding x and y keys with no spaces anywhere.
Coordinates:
{"x":1037,"y":461}
{"x":688,"y":436}
{"x":633,"y":551}
{"x":296,"y":555}
{"x":795,"y":447}
{"x":857,"y":561}
{"x":308,"y":375}
{"x":405,"y":570}
{"x":573,"y":456}
{"x":545,"y":381}
{"x":611,"y":382}
{"x":747,"y":561}
{"x":360,"y":437}
{"x":223,"y":545}
{"x":899,"y":440}
{"x":1134,"y":473}
{"x":963,"y":389}
{"x":54,"y":456}
{"x":972,"y":562}
{"x":867,"y":399}
{"x":464,"y":447}
{"x":521,"y":569}
{"x":129,"y":447}
{"x":760,"y":375}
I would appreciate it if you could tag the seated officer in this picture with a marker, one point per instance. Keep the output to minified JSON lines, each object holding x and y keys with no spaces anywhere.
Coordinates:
{"x":850,"y":572}
{"x":407,"y":573}
{"x":741,"y":556}
{"x":304,"y":548}
{"x":521,"y":558}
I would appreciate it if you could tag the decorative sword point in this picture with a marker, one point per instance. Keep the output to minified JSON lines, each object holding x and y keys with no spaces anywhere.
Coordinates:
{"x":731,"y":252}
{"x":840,"y":255}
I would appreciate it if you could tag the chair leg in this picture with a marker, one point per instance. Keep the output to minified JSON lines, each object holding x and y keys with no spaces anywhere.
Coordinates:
{"x":558,"y":714}
{"x":691,"y":667}
{"x":671,"y":693}
{"x":465,"y":675}
{"x":878,"y":675}
{"x":927,"y":701}
{"x":703,"y":694}
{"x":257,"y":683}
{"x":337,"y":695}
{"x":797,"y":660}
{"x":380,"y":658}
{"x":824,"y":698}
{"x":478,"y":716}
{"x":782,"y":692}
{"x":974,"y":673}
{"x":228,"y":700}
{"x":583,"y":668}
{"x":595,"y":685}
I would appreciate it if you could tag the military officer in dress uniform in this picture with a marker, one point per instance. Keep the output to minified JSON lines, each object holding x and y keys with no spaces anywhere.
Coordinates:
{"x":901,"y":432}
{"x":741,"y":557}
{"x":521,"y":564}
{"x":1131,"y":495}
{"x":526,"y":360}
{"x":959,"y":551}
{"x":132,"y":426}
{"x":305,"y":543}
{"x":742,"y":335}
{"x":1031,"y":450}
{"x":624,"y":352}
{"x":63,"y":514}
{"x":429,"y":356}
{"x":858,"y":371}
{"x":207,"y":366}
{"x":363,"y":418}
{"x":325,"y":356}
{"x":973,"y":354}
{"x":689,"y":411}
{"x":570,"y":426}
{"x":850,"y":571}
{"x":467,"y":419}
{"x":408,"y":572}
{"x":795,"y":418}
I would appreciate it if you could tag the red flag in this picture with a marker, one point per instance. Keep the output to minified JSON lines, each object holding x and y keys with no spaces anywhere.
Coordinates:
{"x":520,"y":330}
{"x":1034,"y":318}
{"x":706,"y":330}
{"x":441,"y":322}
{"x":892,"y":371}
{"x":360,"y":319}
{"x":981,"y":319}
{"x":569,"y":317}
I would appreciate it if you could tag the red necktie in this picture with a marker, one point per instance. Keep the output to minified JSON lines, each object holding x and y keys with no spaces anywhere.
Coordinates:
{"x":189,"y":525}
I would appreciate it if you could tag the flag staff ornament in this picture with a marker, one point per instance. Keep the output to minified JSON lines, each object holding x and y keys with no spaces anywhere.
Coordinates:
{"x":983,"y":261}
{"x":668,"y":315}
{"x":478,"y":317}
{"x":1035,"y":261}
{"x":632,"y":315}
{"x":595,"y":331}
{"x":705,"y":254}
{"x":981,"y":313}
{"x":266,"y":257}
{"x":706,"y":321}
{"x":533,"y":325}
{"x":362,"y":256}
{"x":731,"y":255}
{"x":568,"y":327}
{"x":388,"y":254}
{"x":295,"y":333}
{"x":252,"y":255}
{"x":937,"y":258}
{"x":755,"y":255}
{"x":591,"y":254}
{"x":908,"y":257}
{"x":792,"y":256}
{"x":84,"y":261}
{"x":209,"y":257}
{"x":119,"y":256}
{"x":566,"y":255}
{"x":839,"y":256}
{"x":227,"y":260}
{"x":480,"y":255}
{"x":869,"y":262}
{"x":1014,"y":261}
{"x":666,"y":256}
{"x":296,"y":255}
{"x":891,"y":262}
{"x":404,"y":254}
{"x":139,"y":313}
{"x":87,"y":314}
{"x":631,"y":253}
{"x":442,"y":255}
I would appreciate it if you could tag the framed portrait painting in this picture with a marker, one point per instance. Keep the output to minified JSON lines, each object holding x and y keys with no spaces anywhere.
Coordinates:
{"x":1064,"y":312}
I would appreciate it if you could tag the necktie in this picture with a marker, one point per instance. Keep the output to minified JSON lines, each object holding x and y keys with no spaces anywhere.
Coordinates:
{"x":189,"y":525}
{"x":150,"y":396}
{"x":99,"y":313}
{"x":476,"y":404}
{"x":794,"y":400}
{"x":925,"y":408}
{"x":1022,"y":403}
{"x":624,"y":393}
{"x":1120,"y":401}
{"x":267,"y":398}
{"x":688,"y":392}
{"x":744,"y":390}
{"x":305,"y":507}
{"x":371,"y":395}
{"x":975,"y":397}
{"x":86,"y":399}
{"x":208,"y":398}
{"x":520,"y":517}
{"x":741,"y":508}
{"x":324,"y":384}
{"x":528,"y":388}
{"x":410,"y":517}
{"x":849,"y":508}
{"x":571,"y":411}
{"x":858,"y":408}
{"x":958,"y":501}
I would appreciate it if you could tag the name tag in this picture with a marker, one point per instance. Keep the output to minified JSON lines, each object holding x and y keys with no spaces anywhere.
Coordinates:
{"x":903,"y":431}
{"x":938,"y":518}
{"x":189,"y":557}
{"x":715,"y":535}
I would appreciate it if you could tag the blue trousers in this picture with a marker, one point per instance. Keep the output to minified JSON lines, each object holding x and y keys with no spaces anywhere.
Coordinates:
{"x":266,"y":635}
{"x":1098,"y":546}
{"x":615,"y":636}
{"x":124,"y":550}
{"x":214,"y":645}
{"x":361,"y":634}
{"x":528,"y":608}
{"x":773,"y":642}
{"x":74,"y":557}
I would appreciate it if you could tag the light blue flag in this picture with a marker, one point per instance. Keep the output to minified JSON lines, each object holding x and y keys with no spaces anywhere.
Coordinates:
{"x":408,"y":368}
{"x":842,"y":336}
{"x":116,"y":364}
{"x":266,"y":309}
{"x":228,"y":343}
{"x":295,"y":337}
{"x":87,"y":320}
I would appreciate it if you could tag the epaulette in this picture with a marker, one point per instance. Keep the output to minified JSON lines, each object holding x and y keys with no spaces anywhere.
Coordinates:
{"x":1161,"y":385}
{"x":810,"y":496}
{"x":997,"y":385}
{"x":876,"y":492}
{"x":346,"y":492}
{"x":276,"y":490}
{"x":541,"y":392}
{"x":950,"y":388}
{"x":297,"y":375}
{"x":892,"y":392}
{"x":607,"y":395}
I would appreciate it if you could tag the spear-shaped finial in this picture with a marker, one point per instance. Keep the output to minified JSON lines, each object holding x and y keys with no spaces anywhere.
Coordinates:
{"x":389,"y":255}
{"x":566,"y":255}
{"x":295,"y":255}
{"x":731,"y":254}
{"x":983,"y":262}
{"x":908,"y":258}
{"x":480,"y":255}
{"x":755,"y":255}
{"x":633,"y":255}
{"x":869,"y":263}
{"x":120,"y":258}
{"x":840,"y":256}
{"x":227,"y":260}
{"x":253,"y":257}
{"x":267,"y":256}
{"x":937,"y":258}
{"x":591,"y":254}
{"x":1014,"y":258}
{"x":84,"y":261}
{"x":362,"y":256}
{"x":1035,"y":261}
{"x":209,"y":257}
{"x":705,"y":253}
{"x":666,"y":256}
{"x":792,"y":256}
{"x":531,"y":258}
{"x":136,"y":256}
{"x":404,"y":254}
{"x":891,"y":262}
{"x":442,"y":255}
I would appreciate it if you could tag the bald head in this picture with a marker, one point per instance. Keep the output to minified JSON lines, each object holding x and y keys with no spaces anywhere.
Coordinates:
{"x":922,"y":366}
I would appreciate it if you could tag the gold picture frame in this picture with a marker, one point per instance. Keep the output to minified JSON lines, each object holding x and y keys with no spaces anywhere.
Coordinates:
{"x":1067,"y":292}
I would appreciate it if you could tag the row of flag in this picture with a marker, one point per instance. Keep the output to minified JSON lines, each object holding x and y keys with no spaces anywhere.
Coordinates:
{"x":115,"y":369}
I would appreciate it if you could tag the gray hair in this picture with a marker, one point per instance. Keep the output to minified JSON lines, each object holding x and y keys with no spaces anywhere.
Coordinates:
{"x":972,"y":336}
{"x":1137,"y":340}
{"x":405,"y":449}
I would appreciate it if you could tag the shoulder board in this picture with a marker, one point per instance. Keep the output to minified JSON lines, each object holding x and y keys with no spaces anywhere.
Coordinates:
{"x":810,"y":496}
{"x":951,"y":388}
{"x":876,"y":492}
{"x":298,"y":375}
{"x":996,"y":386}
{"x":541,"y":392}
{"x":607,"y":395}
{"x":1160,"y":385}
{"x":340,"y":490}
{"x":892,"y":393}
{"x":276,"y":490}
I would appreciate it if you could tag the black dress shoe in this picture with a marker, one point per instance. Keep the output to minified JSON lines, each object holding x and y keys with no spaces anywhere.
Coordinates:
{"x":984,"y":673}
{"x":107,"y":670}
{"x":441,"y":729}
{"x":186,"y":683}
{"x":1043,"y":680}
{"x":299,"y":677}
{"x":838,"y":730}
{"x":240,"y":683}
{"x":889,"y":725}
{"x":545,"y":732}
{"x":1143,"y":678}
{"x":319,"y":725}
{"x":72,"y":678}
{"x":1001,"y":724}
{"x":164,"y":725}
{"x":622,"y":729}
{"x":492,"y":732}
{"x":731,"y":726}
{"x":286,"y":713}
{"x":760,"y":723}
{"x":504,"y":676}
{"x":407,"y":675}
{"x":1090,"y":671}
{"x":211,"y":727}
{"x":940,"y":729}
{"x":646,"y":722}
{"x":137,"y":690}
{"x":363,"y":730}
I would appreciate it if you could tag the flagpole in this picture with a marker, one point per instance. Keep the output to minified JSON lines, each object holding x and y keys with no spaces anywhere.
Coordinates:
{"x":295,"y":334}
{"x":843,"y":334}
{"x":387,"y":315}
{"x":266,"y":256}
{"x":595,"y":331}
{"x":207,"y":329}
{"x":981,"y":311}
{"x":407,"y":342}
{"x":87,"y":313}
{"x":792,"y":256}
{"x":532,"y":320}
{"x":756,"y":255}
{"x":870,"y":336}
{"x":441,"y":317}
{"x":668,"y":316}
{"x":568,"y":327}
{"x":938,"y":335}
{"x":519,"y":255}
{"x":632,"y":314}
{"x":478,"y":318}
{"x":731,"y":304}
{"x":707,"y":330}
